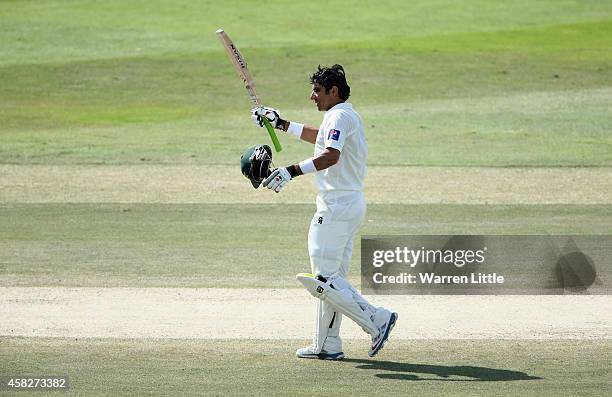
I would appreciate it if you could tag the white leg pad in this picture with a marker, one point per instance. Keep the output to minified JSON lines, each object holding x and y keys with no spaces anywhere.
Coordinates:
{"x":325,"y":317}
{"x":343,"y":297}
{"x":333,"y":342}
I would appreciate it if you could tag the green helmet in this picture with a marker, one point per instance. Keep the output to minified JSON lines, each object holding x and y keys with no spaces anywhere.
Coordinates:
{"x":255,"y":163}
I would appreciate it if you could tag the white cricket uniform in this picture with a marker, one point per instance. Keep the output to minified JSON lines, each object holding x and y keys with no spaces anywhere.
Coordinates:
{"x":340,"y":202}
{"x":340,"y":212}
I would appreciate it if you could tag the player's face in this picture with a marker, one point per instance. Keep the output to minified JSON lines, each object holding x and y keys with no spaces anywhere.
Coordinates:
{"x":324,"y":100}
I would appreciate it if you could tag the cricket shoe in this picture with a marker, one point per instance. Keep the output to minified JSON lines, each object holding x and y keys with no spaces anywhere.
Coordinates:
{"x":308,"y":352}
{"x":383,"y":334}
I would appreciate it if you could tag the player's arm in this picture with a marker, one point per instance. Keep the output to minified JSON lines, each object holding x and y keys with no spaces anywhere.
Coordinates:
{"x":309,"y":134}
{"x":304,"y":132}
{"x":334,"y":141}
{"x":329,"y":157}
{"x":326,"y":159}
{"x":280,"y":176}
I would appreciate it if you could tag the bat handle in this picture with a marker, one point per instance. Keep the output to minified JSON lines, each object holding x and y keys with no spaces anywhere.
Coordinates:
{"x":277,"y":145}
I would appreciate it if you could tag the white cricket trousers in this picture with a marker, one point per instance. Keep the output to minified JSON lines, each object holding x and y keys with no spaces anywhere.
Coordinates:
{"x":332,"y":230}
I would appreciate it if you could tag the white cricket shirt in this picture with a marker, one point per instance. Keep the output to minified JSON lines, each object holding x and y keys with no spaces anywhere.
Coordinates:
{"x":342,"y":129}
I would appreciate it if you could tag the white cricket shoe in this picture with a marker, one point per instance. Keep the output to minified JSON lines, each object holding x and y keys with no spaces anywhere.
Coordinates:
{"x":383,"y":333}
{"x":308,"y":352}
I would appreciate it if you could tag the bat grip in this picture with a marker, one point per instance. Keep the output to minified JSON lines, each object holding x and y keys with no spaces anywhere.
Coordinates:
{"x":273,"y":137}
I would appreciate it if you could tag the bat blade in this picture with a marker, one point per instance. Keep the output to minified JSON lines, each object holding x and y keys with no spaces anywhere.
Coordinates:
{"x":243,"y":71}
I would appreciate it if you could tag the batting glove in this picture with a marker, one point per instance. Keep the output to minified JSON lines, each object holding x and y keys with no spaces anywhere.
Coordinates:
{"x":271,"y":114}
{"x":277,"y":179}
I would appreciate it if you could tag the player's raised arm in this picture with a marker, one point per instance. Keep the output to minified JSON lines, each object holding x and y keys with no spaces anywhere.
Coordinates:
{"x":301,"y":131}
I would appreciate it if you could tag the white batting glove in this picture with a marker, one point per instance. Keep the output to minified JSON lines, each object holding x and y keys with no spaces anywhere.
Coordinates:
{"x":277,"y":179}
{"x":271,"y":114}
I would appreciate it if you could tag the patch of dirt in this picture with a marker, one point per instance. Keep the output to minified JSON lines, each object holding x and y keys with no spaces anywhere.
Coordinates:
{"x":289,"y":314}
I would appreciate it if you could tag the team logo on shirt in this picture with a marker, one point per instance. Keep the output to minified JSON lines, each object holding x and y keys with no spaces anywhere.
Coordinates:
{"x":333,"y":134}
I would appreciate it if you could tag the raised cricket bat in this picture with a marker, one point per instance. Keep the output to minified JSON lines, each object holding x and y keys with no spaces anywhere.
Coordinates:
{"x":243,"y":71}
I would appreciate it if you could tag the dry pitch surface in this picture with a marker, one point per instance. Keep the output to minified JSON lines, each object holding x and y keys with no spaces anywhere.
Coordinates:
{"x":284,"y":314}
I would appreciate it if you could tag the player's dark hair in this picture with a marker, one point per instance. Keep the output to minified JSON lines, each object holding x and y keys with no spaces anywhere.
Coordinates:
{"x":332,"y":76}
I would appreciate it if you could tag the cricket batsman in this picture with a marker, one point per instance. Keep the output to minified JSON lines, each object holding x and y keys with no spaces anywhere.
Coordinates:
{"x":339,"y":164}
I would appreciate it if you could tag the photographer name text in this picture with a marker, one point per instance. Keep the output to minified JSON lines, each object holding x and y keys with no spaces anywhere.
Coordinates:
{"x":432,"y":278}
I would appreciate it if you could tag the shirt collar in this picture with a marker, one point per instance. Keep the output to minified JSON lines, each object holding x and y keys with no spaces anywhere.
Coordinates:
{"x":342,"y":105}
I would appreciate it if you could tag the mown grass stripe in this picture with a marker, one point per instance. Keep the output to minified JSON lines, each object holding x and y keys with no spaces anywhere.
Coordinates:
{"x":226,"y":185}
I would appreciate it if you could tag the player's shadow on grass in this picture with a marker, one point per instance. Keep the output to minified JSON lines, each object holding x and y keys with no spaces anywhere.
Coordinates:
{"x":404,"y":371}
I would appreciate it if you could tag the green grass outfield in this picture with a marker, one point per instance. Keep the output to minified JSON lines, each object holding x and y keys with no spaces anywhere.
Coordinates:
{"x":439,"y":83}
{"x":103,"y":367}
{"x":199,"y":245}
